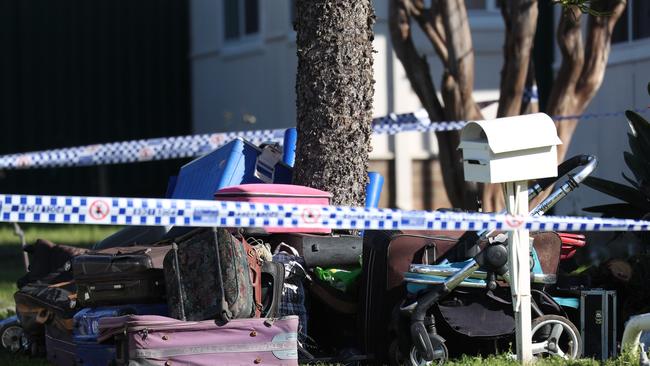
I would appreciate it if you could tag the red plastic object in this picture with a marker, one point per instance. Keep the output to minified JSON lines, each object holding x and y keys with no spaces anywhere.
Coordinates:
{"x":570,"y":244}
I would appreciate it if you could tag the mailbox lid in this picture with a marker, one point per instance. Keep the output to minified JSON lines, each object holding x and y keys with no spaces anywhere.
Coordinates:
{"x":511,"y":133}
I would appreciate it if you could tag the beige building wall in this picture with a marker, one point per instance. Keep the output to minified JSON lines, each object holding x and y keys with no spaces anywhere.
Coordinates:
{"x":250,"y":85}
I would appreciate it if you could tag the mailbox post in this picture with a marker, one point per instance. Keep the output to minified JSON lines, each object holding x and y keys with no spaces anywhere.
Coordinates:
{"x":512,"y":151}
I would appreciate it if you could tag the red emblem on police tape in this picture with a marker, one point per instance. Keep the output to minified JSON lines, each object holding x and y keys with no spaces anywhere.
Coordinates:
{"x":98,"y":210}
{"x":310,"y":215}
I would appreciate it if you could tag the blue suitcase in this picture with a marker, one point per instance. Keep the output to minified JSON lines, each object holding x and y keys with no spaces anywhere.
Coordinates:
{"x":86,"y":331}
{"x":86,"y":321}
{"x":237,"y":162}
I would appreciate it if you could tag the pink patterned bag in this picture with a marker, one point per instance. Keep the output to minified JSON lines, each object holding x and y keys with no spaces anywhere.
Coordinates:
{"x":156,"y":340}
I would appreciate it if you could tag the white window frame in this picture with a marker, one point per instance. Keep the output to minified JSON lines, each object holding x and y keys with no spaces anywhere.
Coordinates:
{"x":242,"y":36}
{"x":244,"y":44}
{"x":630,"y":24}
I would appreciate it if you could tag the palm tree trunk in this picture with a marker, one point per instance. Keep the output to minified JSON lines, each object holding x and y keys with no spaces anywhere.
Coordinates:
{"x":334,"y":90}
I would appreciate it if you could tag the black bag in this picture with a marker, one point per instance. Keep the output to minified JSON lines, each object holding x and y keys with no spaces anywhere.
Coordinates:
{"x":37,"y":304}
{"x":208,"y":276}
{"x":121,"y":275}
{"x":46,"y":258}
{"x":323,"y":250}
{"x":272,"y":284}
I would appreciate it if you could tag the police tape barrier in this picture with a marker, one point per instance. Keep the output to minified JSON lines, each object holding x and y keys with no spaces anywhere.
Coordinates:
{"x":195,"y":145}
{"x":154,"y":212}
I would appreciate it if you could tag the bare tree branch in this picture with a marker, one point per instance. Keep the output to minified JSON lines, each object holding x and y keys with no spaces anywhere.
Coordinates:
{"x":430,"y":22}
{"x":520,"y":19}
{"x":461,"y":61}
{"x":415,"y":65}
{"x":562,"y":98}
{"x":599,"y":38}
{"x":417,"y":70}
{"x":582,"y":71}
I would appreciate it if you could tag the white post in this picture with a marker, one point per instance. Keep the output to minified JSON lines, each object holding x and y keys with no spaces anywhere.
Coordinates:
{"x":519,"y":266}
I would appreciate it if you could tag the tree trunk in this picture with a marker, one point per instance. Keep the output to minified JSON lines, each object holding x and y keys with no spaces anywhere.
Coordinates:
{"x":334,"y":89}
{"x":457,"y":85}
{"x":446,"y":26}
{"x":582,"y":70}
{"x":520,"y":18}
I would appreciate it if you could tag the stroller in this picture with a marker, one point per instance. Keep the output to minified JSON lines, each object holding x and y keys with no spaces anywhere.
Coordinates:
{"x":464,"y":298}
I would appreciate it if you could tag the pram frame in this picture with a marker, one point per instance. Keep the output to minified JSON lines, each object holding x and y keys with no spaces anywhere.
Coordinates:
{"x":428,"y":345}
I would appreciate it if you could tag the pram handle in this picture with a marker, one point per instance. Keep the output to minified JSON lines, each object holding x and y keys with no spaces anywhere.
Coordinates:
{"x":588,"y":164}
{"x":588,"y":161}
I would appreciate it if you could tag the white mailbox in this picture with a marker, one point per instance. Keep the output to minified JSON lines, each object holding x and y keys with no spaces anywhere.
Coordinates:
{"x":510,"y":149}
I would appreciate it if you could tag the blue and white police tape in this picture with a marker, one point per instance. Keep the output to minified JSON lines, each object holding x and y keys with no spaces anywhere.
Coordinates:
{"x":196,"y":145}
{"x":153,"y":212}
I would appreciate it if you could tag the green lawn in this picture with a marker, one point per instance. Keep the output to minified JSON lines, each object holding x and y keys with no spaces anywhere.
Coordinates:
{"x":11,"y":268}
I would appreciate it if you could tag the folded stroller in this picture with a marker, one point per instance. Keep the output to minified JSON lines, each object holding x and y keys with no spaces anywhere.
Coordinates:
{"x":463,"y":300}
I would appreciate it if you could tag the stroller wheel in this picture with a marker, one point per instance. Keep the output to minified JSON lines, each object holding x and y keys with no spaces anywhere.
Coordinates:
{"x":11,"y":336}
{"x":440,"y":355}
{"x":554,"y":335}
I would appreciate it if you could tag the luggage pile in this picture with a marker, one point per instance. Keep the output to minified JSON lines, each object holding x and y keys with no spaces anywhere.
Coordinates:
{"x":200,"y":296}
{"x":252,"y":296}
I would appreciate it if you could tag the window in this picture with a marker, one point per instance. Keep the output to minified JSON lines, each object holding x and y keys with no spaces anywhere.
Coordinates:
{"x":634,"y":22}
{"x":242,"y":19}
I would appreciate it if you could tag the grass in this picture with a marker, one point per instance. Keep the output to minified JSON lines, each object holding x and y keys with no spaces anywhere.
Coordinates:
{"x":506,"y":360}
{"x":11,"y":268}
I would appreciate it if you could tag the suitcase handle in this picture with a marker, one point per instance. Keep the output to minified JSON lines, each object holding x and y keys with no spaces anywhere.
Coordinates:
{"x":109,"y":287}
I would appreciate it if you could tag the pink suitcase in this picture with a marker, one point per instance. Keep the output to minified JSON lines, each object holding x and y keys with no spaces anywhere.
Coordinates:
{"x":157,"y":340}
{"x":280,"y":194}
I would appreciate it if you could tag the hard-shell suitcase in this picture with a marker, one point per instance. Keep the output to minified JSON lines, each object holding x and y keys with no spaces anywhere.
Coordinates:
{"x":208,"y":276}
{"x":86,"y":321}
{"x":598,"y":315}
{"x":86,"y":331}
{"x":280,"y":194}
{"x":323,"y":250}
{"x":235,"y":163}
{"x":255,"y":341}
{"x":121,"y":275}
